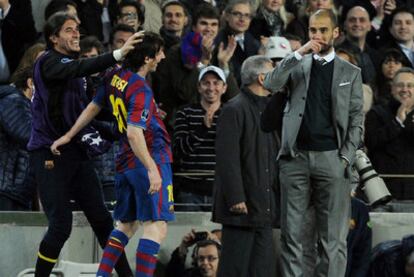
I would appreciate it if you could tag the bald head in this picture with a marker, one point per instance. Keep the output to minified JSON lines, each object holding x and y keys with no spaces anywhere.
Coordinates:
{"x":357,"y":23}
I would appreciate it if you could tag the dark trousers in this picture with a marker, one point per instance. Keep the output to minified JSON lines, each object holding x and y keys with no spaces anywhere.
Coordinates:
{"x":62,"y":181}
{"x":247,"y":252}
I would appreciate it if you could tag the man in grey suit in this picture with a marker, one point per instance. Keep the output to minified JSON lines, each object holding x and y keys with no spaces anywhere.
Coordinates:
{"x":321,"y":129}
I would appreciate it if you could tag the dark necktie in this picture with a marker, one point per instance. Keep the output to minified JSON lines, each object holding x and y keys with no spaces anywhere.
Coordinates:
{"x":321,"y":61}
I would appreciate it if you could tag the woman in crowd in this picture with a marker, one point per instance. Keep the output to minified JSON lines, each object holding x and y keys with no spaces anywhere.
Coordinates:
{"x":271,"y":19}
{"x":391,"y":62}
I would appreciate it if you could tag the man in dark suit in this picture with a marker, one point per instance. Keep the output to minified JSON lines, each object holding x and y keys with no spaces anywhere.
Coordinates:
{"x":238,"y":15}
{"x":402,"y":35}
{"x":245,"y":191}
{"x":321,"y":129}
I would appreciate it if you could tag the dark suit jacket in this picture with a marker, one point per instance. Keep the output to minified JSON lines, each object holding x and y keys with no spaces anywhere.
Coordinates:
{"x":346,"y":102}
{"x":391,"y":147}
{"x":394,"y":45}
{"x":17,"y":32}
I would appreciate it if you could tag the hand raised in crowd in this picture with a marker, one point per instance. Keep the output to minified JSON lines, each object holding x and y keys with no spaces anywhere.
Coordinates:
{"x":225,"y":54}
{"x":130,"y":43}
{"x":57,"y":143}
{"x":389,"y":6}
{"x":263,"y":43}
{"x":190,"y":239}
{"x":239,"y":208}
{"x":312,"y":46}
{"x":404,"y":109}
{"x":384,"y":7}
{"x":154,"y":179}
{"x":4,"y":4}
{"x":207,"y":48}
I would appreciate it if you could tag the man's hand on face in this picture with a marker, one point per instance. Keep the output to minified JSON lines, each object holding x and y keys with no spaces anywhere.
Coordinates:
{"x":312,"y":46}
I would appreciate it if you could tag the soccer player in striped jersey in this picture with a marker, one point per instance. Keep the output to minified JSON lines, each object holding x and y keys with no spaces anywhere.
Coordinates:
{"x":143,"y":179}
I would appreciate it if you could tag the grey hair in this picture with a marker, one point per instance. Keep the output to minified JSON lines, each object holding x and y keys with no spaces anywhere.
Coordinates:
{"x":252,"y":67}
{"x":230,"y":5}
{"x":403,"y":69}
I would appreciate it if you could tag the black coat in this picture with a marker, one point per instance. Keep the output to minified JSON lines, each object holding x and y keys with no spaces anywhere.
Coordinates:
{"x":391,"y":147}
{"x":245,"y":164}
{"x":368,"y":60}
{"x":17,"y":32}
{"x":16,"y":180}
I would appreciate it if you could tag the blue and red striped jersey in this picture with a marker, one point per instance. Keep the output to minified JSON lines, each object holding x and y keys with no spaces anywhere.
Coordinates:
{"x":131,"y":101}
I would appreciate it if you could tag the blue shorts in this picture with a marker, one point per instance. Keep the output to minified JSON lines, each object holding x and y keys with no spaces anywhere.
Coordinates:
{"x":135,"y":203}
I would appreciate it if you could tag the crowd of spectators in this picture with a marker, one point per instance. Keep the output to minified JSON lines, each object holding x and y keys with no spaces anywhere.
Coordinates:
{"x":377,"y":36}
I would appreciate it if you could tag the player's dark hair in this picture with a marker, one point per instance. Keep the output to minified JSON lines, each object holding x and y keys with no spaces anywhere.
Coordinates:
{"x":148,"y":48}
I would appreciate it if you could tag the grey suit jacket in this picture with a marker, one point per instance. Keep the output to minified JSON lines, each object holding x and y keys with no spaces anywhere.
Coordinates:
{"x":347,"y":102}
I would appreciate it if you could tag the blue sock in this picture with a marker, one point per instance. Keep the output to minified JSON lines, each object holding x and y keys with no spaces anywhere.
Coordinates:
{"x":146,"y":258}
{"x":115,"y":246}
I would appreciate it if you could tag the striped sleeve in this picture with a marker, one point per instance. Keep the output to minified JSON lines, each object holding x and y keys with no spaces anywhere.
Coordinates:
{"x":139,"y":100}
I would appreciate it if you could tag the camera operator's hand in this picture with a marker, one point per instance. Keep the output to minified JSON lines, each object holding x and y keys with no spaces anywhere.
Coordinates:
{"x":212,"y":236}
{"x":187,"y":241}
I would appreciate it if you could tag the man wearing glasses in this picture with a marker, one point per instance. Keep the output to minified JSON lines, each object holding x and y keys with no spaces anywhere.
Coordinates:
{"x":389,"y":133}
{"x":207,"y":256}
{"x":131,"y":13}
{"x":238,"y":16}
